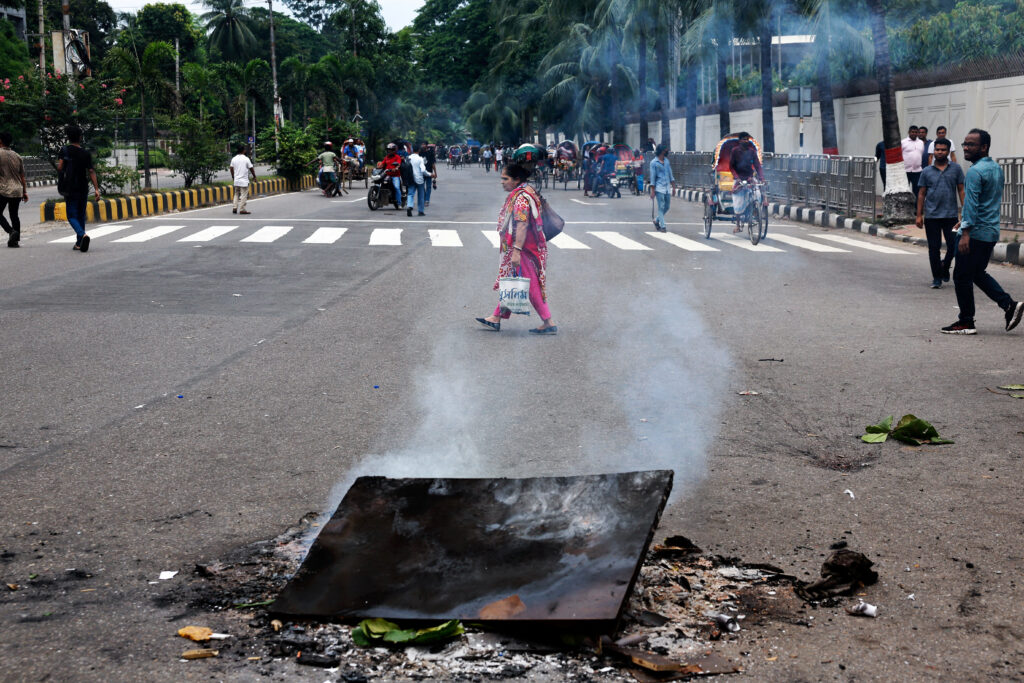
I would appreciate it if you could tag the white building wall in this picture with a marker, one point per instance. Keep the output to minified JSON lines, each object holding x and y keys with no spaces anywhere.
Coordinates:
{"x":995,"y":105}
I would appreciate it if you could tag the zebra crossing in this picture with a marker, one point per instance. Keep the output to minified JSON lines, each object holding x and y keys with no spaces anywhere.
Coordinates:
{"x":584,"y":240}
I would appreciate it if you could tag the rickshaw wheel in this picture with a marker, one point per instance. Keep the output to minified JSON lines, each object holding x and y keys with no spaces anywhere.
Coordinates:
{"x":709,"y":215}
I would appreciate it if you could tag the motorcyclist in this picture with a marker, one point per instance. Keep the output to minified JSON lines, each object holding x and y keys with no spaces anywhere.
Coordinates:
{"x":392,"y":165}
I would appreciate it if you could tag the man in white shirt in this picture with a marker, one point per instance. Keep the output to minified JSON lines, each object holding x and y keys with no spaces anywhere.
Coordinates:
{"x":913,"y":157}
{"x":241,"y":169}
{"x":498,"y":156}
{"x":420,"y":175}
{"x":940,"y":132}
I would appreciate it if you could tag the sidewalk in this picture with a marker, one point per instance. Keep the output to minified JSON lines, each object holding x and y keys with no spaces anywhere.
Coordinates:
{"x":1005,"y":251}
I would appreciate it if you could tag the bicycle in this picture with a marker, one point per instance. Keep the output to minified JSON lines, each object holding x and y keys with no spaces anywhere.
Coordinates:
{"x":755,"y":215}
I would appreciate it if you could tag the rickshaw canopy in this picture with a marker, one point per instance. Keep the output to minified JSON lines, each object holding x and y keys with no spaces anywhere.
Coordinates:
{"x":724,"y":149}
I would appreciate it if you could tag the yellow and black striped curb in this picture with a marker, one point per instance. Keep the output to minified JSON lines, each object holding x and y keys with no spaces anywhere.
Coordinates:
{"x":177,"y":200}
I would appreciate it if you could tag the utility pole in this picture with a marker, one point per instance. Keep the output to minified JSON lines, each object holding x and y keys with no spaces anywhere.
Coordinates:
{"x":273,"y":74}
{"x":42,"y":42}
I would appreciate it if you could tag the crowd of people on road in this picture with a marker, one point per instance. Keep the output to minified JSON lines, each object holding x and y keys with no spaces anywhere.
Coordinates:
{"x":959,"y":209}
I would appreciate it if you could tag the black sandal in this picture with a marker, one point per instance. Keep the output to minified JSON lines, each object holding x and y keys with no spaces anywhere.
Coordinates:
{"x":494,"y":326}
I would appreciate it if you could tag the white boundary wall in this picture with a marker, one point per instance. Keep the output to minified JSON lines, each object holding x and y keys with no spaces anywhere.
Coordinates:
{"x":995,"y":105}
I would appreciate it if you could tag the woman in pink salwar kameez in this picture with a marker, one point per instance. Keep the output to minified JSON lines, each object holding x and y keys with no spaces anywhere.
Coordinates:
{"x":523,"y":247}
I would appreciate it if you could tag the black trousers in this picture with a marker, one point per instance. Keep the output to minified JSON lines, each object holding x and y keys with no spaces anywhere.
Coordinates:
{"x":938,"y":229}
{"x":11,"y":204}
{"x":970,"y":271}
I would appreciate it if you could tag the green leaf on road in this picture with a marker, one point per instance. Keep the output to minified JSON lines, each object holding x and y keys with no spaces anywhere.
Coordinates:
{"x":913,"y":430}
{"x":875,"y":437}
{"x":373,"y":632}
{"x":910,"y":429}
{"x":883,"y":427}
{"x":1016,"y":395}
{"x":1013,"y":387}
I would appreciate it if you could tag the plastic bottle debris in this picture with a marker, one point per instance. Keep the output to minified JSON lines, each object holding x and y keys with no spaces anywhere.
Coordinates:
{"x":862,"y":609}
{"x":727,"y":623}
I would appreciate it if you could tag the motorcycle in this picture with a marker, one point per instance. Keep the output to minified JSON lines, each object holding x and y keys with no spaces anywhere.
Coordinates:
{"x":382,"y":191}
{"x":606,"y":183}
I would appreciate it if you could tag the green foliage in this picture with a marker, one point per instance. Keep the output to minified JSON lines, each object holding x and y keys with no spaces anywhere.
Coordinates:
{"x":454,"y":41}
{"x":116,"y":179}
{"x":230,"y":28}
{"x":971,"y":30}
{"x":298,"y":149}
{"x":14,"y":59}
{"x":160,"y":21}
{"x":910,"y":429}
{"x":198,"y":153}
{"x":157,"y":157}
{"x":46,"y":107}
{"x":376,"y":632}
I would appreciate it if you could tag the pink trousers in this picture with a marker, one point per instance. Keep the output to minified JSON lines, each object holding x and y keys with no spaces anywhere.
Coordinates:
{"x":527,"y":269}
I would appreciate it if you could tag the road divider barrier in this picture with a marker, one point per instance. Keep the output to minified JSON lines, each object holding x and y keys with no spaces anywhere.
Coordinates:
{"x":155,"y":203}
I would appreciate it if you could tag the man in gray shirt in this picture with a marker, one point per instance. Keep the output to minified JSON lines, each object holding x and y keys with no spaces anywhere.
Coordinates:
{"x":938,"y":210}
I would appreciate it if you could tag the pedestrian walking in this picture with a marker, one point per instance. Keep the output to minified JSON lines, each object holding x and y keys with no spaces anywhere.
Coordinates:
{"x":419,"y":177}
{"x":487,"y":159}
{"x":937,"y":208}
{"x":979,"y":232}
{"x":913,"y":156}
{"x":75,"y":163}
{"x":662,"y":182}
{"x":880,"y":155}
{"x":940,"y":132}
{"x":241,"y":170}
{"x":922,"y":135}
{"x":430,"y":161}
{"x":523,"y":247}
{"x":13,"y":189}
{"x":498,"y":156}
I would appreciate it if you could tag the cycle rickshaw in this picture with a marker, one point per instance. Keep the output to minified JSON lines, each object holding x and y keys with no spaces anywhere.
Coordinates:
{"x":724,"y":195}
{"x":566,"y":164}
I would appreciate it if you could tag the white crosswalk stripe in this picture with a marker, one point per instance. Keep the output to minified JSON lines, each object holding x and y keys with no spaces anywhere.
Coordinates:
{"x":681,"y":242}
{"x":444,"y":238}
{"x":564,"y":241}
{"x":807,"y":244}
{"x":619,"y":240}
{"x":151,"y":234}
{"x":268,"y":233}
{"x":386,"y":237}
{"x":100,"y":231}
{"x":492,"y":237}
{"x":452,"y":238}
{"x":325,"y":236}
{"x":870,"y":246}
{"x":744,"y":243}
{"x":208,"y":234}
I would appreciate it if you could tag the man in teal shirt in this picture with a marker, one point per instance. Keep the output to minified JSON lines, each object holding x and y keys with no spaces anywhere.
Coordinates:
{"x":662,"y":181}
{"x":979,"y":232}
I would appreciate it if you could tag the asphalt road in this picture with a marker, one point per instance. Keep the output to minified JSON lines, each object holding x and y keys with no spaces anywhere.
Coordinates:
{"x":200,"y":381}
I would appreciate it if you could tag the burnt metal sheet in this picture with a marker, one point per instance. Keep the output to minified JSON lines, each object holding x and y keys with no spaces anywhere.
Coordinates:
{"x":562,"y":549}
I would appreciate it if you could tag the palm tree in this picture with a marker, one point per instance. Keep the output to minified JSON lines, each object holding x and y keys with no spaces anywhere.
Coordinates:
{"x":294,"y":81}
{"x":147,"y":76}
{"x":229,"y":28}
{"x":898,"y":202}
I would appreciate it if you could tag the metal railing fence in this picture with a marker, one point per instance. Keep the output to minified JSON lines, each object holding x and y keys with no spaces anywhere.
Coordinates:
{"x":834,"y":183}
{"x":1012,"y":207}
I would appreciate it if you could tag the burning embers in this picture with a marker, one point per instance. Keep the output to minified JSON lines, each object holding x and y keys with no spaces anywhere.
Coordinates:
{"x":556,"y":549}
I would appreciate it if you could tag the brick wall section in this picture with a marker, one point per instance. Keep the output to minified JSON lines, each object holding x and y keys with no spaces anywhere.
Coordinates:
{"x":135,"y":205}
